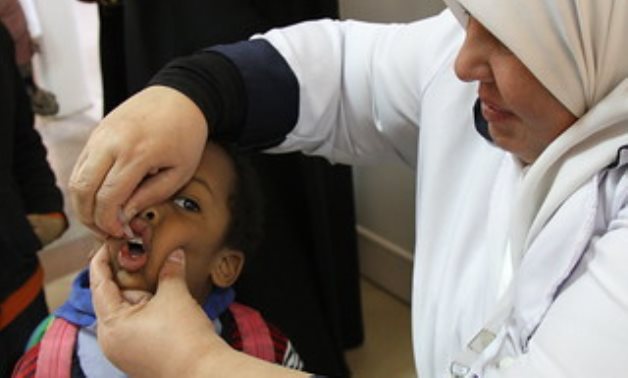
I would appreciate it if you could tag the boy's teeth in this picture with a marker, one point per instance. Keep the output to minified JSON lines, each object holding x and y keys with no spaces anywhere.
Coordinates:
{"x":136,"y":240}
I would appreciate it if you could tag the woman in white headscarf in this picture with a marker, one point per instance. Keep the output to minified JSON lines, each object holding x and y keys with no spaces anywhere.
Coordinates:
{"x":522,"y":217}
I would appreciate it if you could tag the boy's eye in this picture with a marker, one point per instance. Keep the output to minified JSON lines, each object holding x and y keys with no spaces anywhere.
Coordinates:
{"x":187,"y":204}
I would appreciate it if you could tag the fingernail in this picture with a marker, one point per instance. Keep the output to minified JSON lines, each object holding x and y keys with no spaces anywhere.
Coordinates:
{"x":126,"y":229}
{"x":130,"y":213}
{"x":177,"y":256}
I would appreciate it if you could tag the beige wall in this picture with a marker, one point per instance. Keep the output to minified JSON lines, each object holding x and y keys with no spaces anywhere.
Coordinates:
{"x":389,"y":10}
{"x":385,"y":194}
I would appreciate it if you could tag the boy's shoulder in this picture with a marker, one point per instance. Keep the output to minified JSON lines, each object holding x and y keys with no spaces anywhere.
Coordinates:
{"x":246,"y":330}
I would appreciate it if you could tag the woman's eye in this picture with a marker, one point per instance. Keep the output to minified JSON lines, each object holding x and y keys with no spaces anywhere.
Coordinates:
{"x":187,"y":204}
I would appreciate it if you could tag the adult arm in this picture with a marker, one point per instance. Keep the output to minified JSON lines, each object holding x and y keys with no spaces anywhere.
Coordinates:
{"x":348,"y":91}
{"x":167,"y":335}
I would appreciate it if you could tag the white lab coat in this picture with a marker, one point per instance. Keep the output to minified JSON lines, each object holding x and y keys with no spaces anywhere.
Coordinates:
{"x":389,"y":92}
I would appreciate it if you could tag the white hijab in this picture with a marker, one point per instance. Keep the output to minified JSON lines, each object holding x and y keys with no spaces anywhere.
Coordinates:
{"x":577,"y":50}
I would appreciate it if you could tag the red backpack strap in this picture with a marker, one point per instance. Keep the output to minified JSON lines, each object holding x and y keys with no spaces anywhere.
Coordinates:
{"x":256,"y":338}
{"x":27,"y":365}
{"x":56,"y":350}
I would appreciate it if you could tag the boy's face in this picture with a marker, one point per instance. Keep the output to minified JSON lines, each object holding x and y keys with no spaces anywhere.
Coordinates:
{"x":195,"y":219}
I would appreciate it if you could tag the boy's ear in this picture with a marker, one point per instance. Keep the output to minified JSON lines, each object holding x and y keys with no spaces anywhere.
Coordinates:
{"x":227,"y":268}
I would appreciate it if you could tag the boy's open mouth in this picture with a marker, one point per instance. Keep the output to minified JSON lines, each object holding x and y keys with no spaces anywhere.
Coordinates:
{"x":133,"y":254}
{"x":135,"y":245}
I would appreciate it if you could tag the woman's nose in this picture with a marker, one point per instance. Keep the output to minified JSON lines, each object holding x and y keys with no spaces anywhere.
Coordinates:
{"x":472,"y":62}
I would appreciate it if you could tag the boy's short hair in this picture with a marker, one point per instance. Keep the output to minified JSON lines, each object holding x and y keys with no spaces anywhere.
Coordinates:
{"x":245,"y":229}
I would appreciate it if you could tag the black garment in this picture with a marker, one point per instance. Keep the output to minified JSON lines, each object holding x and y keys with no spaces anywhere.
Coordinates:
{"x":15,"y":336}
{"x":216,"y":81}
{"x":305,"y":279}
{"x":246,"y":91}
{"x":138,"y":37}
{"x":27,"y":185}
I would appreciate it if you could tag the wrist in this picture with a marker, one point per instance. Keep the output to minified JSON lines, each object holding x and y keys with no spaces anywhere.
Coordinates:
{"x":228,"y":362}
{"x":213,"y":355}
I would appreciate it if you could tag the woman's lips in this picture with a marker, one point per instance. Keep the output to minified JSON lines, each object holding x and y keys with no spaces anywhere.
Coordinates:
{"x":494,"y":113}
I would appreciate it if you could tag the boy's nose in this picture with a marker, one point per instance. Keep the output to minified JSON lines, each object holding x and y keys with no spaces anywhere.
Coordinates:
{"x":151,"y":215}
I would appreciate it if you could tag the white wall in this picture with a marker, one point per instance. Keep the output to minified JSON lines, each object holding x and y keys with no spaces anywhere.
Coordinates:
{"x":385,"y":194}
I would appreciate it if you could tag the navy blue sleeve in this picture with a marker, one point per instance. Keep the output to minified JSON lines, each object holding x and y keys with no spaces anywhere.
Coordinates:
{"x":247,"y":92}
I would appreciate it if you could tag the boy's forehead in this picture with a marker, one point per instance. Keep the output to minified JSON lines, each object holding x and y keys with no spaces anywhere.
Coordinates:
{"x":216,"y":165}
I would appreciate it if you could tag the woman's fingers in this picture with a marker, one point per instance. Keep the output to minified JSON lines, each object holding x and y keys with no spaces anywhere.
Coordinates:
{"x":121,"y":180}
{"x":136,"y":296}
{"x":106,"y":296}
{"x":154,"y":188}
{"x":159,"y":132}
{"x":172,"y":277}
{"x":87,"y":175}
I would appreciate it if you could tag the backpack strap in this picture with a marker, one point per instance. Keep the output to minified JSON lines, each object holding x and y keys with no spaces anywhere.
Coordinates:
{"x":26,"y":366}
{"x":56,"y":350}
{"x":40,"y":331}
{"x":20,"y":299}
{"x":256,"y":338}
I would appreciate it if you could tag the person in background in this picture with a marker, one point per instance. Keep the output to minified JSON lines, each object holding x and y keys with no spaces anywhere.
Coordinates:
{"x":310,"y":273}
{"x":43,"y":102}
{"x":31,"y":212}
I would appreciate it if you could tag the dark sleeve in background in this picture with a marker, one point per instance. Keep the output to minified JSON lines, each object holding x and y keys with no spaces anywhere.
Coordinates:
{"x":305,"y":278}
{"x":32,"y":172}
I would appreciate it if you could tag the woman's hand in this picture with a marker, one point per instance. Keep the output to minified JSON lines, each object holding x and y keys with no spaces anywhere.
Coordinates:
{"x":147,"y":336}
{"x":168,"y":334}
{"x":140,"y":154}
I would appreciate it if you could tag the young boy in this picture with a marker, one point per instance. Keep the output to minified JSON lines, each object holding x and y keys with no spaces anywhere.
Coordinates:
{"x":216,"y":219}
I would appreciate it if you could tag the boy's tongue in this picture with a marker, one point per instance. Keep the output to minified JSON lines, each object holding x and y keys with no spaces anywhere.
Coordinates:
{"x":131,"y":261}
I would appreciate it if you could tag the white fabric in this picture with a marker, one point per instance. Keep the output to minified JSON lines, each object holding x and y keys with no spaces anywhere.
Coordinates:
{"x":378,"y":84}
{"x":582,"y":332}
{"x":94,"y":363}
{"x":576,"y":49}
{"x":59,"y":66}
{"x":32,"y":18}
{"x":367,"y":91}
